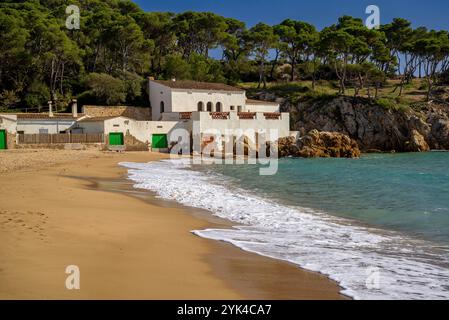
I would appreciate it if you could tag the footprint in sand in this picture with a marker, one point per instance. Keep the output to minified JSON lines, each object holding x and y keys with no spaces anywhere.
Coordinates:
{"x":26,"y":223}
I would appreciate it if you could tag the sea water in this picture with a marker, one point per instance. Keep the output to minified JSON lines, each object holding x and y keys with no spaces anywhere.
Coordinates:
{"x":378,"y":225}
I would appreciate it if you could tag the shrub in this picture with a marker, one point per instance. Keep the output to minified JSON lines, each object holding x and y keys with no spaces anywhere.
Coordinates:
{"x":107,"y":89}
{"x":37,"y":95}
{"x":393,"y":105}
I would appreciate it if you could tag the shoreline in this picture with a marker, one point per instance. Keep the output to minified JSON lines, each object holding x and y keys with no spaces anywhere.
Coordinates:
{"x":229,"y":251}
{"x":215,"y":270}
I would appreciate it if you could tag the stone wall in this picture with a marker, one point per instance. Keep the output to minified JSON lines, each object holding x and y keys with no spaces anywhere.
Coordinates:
{"x":11,"y":140}
{"x":133,"y":144}
{"x":62,"y":146}
{"x":137,"y":113}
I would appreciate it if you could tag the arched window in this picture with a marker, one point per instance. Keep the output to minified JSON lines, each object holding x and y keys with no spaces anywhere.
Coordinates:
{"x":218,"y":107}
{"x":209,"y":106}
{"x":162,"y":107}
{"x":200,"y":106}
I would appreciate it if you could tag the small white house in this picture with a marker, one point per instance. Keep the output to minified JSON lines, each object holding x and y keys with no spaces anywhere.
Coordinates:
{"x":125,"y":131}
{"x":44,"y":123}
{"x":8,"y":125}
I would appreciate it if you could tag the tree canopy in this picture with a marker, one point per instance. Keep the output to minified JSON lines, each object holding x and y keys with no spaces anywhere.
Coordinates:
{"x":118,"y":45}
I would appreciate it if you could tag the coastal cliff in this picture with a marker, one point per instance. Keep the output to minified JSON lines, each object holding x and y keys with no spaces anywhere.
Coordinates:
{"x":374,"y":127}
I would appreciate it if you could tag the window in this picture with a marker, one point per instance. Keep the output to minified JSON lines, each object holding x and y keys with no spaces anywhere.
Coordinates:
{"x":209,"y":106}
{"x":232,"y":108}
{"x":239,"y":108}
{"x":218,"y":107}
{"x":43,"y":131}
{"x":162,"y":107}
{"x":200,"y":106}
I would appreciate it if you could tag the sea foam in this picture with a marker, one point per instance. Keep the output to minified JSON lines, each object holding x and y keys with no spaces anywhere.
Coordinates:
{"x":368,"y":263}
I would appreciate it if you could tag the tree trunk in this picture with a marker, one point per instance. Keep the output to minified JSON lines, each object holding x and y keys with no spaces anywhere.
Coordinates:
{"x":274,"y":64}
{"x":292,"y":72}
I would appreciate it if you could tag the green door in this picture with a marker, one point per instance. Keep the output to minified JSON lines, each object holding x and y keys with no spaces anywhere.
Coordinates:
{"x":159,"y":141}
{"x":3,"y":140}
{"x":116,"y":139}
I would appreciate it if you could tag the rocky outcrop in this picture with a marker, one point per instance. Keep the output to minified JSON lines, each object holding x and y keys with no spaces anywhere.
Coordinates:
{"x":417,"y":143}
{"x":372,"y":126}
{"x":320,"y":145}
{"x":287,"y":147}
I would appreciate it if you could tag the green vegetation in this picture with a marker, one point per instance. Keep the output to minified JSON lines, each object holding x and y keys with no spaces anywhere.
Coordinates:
{"x":119,"y":45}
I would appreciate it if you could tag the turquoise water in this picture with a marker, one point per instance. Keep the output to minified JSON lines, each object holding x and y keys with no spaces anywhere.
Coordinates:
{"x":405,"y":192}
{"x":382,"y":218}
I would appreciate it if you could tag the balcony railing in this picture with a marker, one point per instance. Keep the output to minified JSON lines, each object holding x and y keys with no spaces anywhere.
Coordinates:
{"x":185,"y":115}
{"x":247,"y":115}
{"x":220,"y":115}
{"x":272,"y":115}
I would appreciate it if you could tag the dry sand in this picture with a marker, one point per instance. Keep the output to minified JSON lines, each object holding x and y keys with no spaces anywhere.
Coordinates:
{"x":54,"y":212}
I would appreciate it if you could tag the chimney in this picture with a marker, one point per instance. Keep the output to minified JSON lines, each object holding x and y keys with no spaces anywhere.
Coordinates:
{"x":75,"y":108}
{"x":50,"y":109}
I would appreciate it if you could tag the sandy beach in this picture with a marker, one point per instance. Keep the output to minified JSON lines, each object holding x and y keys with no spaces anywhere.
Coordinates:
{"x":61,"y":208}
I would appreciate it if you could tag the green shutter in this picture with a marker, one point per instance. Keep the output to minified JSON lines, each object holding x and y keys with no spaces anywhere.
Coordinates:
{"x":159,"y":141}
{"x":116,"y":139}
{"x":3,"y":144}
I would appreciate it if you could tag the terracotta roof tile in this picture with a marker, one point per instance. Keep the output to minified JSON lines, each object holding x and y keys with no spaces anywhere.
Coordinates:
{"x":194,"y":85}
{"x":97,"y":119}
{"x":45,"y":116}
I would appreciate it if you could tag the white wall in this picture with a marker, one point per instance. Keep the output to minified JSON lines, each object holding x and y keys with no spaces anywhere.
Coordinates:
{"x":187,"y":100}
{"x":159,"y":93}
{"x":8,"y":123}
{"x":91,"y":127}
{"x":142,"y":130}
{"x":179,"y":100}
{"x":234,"y":123}
{"x":257,"y":107}
{"x":32,"y":126}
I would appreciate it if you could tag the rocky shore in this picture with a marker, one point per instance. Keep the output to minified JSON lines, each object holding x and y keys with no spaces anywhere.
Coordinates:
{"x":317,"y":144}
{"x":375,"y":128}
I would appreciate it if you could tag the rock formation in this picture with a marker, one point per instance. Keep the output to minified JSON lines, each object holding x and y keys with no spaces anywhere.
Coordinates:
{"x":317,"y":144}
{"x":373,"y":126}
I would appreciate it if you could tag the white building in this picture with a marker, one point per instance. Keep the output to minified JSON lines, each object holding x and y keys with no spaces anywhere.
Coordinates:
{"x":190,"y":96}
{"x":214,"y":106}
{"x":198,"y":108}
{"x":8,"y":130}
{"x":43,"y":123}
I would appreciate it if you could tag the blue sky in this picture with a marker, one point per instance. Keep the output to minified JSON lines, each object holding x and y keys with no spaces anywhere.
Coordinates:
{"x":433,"y":14}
